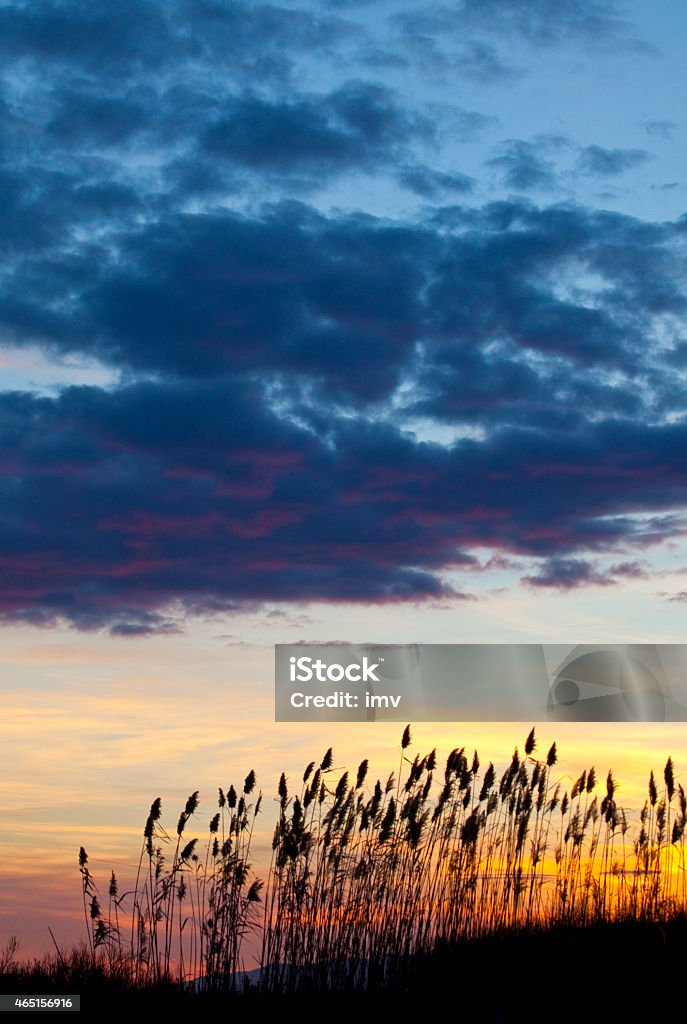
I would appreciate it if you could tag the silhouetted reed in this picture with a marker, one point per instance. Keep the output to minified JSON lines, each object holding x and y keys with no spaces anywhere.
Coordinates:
{"x":365,"y":878}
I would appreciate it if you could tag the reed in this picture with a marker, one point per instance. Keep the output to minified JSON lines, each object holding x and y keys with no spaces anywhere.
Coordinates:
{"x":368,"y":877}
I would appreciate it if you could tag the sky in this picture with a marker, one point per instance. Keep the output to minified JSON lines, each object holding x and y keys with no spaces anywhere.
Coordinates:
{"x":329,"y":320}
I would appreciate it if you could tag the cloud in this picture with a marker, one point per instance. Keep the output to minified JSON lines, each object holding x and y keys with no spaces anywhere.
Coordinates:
{"x":561,"y":573}
{"x":98,"y":121}
{"x":121,"y":39}
{"x":270,"y":360}
{"x":358,"y":125}
{"x":437,"y":46}
{"x":635,"y":569}
{"x":566,"y":574}
{"x":543,"y":164}
{"x":181,"y":494}
{"x":609,"y":162}
{"x":542,"y":23}
{"x":659,"y":129}
{"x":465,"y":125}
{"x":303,"y":301}
{"x":431,"y":184}
{"x":547,"y":22}
{"x":132,"y":507}
{"x":287,"y":291}
{"x":523,"y":166}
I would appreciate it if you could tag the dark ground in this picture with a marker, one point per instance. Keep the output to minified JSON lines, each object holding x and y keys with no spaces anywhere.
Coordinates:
{"x":632,"y":971}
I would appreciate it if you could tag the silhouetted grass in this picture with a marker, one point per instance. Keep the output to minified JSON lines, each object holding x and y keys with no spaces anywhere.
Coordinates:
{"x":599,"y":972}
{"x":375,"y":886}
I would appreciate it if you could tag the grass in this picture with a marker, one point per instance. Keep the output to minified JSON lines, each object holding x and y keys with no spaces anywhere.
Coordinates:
{"x":602,"y":972}
{"x":372,"y":884}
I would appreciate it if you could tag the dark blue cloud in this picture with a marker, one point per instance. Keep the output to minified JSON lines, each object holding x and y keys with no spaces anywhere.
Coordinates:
{"x":524,"y":166}
{"x":431,"y":184}
{"x":118,"y":39}
{"x":272,"y":360}
{"x":200,"y":293}
{"x":121,"y":504}
{"x":609,"y":162}
{"x":542,"y":22}
{"x":439,"y":49}
{"x":661,"y":128}
{"x":561,"y":573}
{"x":98,"y":121}
{"x":457,"y":309}
{"x":463,"y":125}
{"x":358,"y":125}
{"x":566,"y":574}
{"x":115,"y":36}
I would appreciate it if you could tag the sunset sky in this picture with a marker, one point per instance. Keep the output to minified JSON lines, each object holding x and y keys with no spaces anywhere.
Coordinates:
{"x":322,"y":321}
